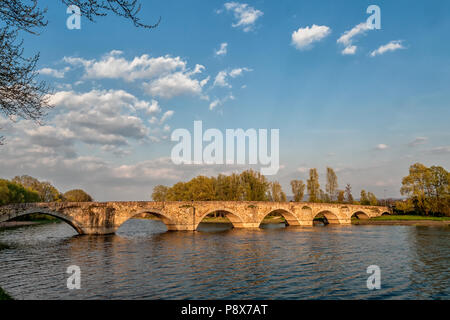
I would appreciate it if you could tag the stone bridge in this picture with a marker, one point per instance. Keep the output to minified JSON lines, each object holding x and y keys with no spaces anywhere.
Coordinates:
{"x":107,"y":217}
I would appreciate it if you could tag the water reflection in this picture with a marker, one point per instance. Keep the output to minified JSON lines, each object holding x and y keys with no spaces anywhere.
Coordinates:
{"x":143,"y":261}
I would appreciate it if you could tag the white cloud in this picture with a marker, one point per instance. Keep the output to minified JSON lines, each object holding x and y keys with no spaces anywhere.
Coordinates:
{"x":175,"y":84}
{"x":349,"y":50}
{"x":418,"y":141}
{"x":304,"y":37}
{"x":223,"y":49}
{"x":245,"y":15}
{"x":441,"y":150}
{"x":53,"y":72}
{"x":113,"y":66}
{"x":382,"y":146}
{"x":391,"y":46}
{"x":348,"y":37}
{"x":168,"y":114}
{"x":221,"y":77}
{"x":218,"y":102}
{"x":103,"y":117}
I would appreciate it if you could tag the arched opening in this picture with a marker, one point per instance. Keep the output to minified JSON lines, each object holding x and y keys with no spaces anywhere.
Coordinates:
{"x":38,"y":217}
{"x":218,"y":220}
{"x":385,"y":214}
{"x":279,"y":218}
{"x":359,"y":215}
{"x":324,"y":218}
{"x":144,"y":224}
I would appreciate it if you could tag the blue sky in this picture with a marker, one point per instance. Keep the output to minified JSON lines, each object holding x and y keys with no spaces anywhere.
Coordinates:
{"x":367,"y":115}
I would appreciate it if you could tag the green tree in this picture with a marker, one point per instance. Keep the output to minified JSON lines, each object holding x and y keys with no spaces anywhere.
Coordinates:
{"x":348,"y":194}
{"x":276,"y":193}
{"x":77,"y":195}
{"x":428,"y":189}
{"x":341,"y":196}
{"x":364,"y":200}
{"x":332,"y":184}
{"x":47,"y":192}
{"x":298,"y":189}
{"x":160,"y":193}
{"x":372,"y":199}
{"x":11,"y":192}
{"x":313,"y":185}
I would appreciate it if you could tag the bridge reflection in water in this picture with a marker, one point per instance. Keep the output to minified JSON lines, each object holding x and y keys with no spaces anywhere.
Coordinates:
{"x":107,"y":217}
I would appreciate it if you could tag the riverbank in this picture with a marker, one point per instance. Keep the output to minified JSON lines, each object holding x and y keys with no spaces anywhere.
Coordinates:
{"x":404,"y":220}
{"x":17,"y":224}
{"x":4,"y":295}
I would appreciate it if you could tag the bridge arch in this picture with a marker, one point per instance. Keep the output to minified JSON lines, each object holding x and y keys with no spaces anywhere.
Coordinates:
{"x":361,"y":215}
{"x":290,"y":218}
{"x":330,"y":217}
{"x":161,"y":216}
{"x":67,"y":219}
{"x":235,"y":220}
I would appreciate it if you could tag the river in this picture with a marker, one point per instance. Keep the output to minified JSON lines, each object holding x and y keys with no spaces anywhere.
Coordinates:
{"x":143,"y":261}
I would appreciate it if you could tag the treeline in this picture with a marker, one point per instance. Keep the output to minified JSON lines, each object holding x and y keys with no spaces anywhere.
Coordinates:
{"x":23,"y":189}
{"x":427,"y":189}
{"x":253,"y":186}
{"x":247,"y":186}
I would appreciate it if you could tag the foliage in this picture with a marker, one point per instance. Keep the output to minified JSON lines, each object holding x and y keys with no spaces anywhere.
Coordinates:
{"x":46,"y":192}
{"x":332,"y":184}
{"x":298,"y":189}
{"x":77,"y":195}
{"x":341,"y":196}
{"x":313,"y":186}
{"x":276,"y":193}
{"x":247,"y":186}
{"x":11,"y":192}
{"x":4,"y":295}
{"x":428,"y":189}
{"x":160,"y":193}
{"x":348,"y":194}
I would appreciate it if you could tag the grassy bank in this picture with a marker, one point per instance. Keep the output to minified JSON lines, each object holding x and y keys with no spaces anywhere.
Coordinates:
{"x":4,"y":295}
{"x":409,"y":218}
{"x":405,"y":220}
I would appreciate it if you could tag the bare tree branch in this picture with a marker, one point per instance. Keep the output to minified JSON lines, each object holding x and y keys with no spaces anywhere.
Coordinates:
{"x":21,"y":95}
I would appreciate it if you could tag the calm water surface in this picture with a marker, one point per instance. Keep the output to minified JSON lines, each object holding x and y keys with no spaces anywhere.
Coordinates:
{"x":142,"y":261}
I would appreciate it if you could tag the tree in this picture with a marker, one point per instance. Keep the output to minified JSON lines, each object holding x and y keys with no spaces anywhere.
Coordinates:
{"x":276,"y":193}
{"x":348,"y":193}
{"x":372,"y":199}
{"x":20,"y":94}
{"x":427,"y":189}
{"x":47,"y":192}
{"x":332,"y":184}
{"x":77,"y":195}
{"x":341,"y":196}
{"x":313,"y":185}
{"x":364,"y":200}
{"x":159,"y":193}
{"x":298,"y":189}
{"x":11,"y":192}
